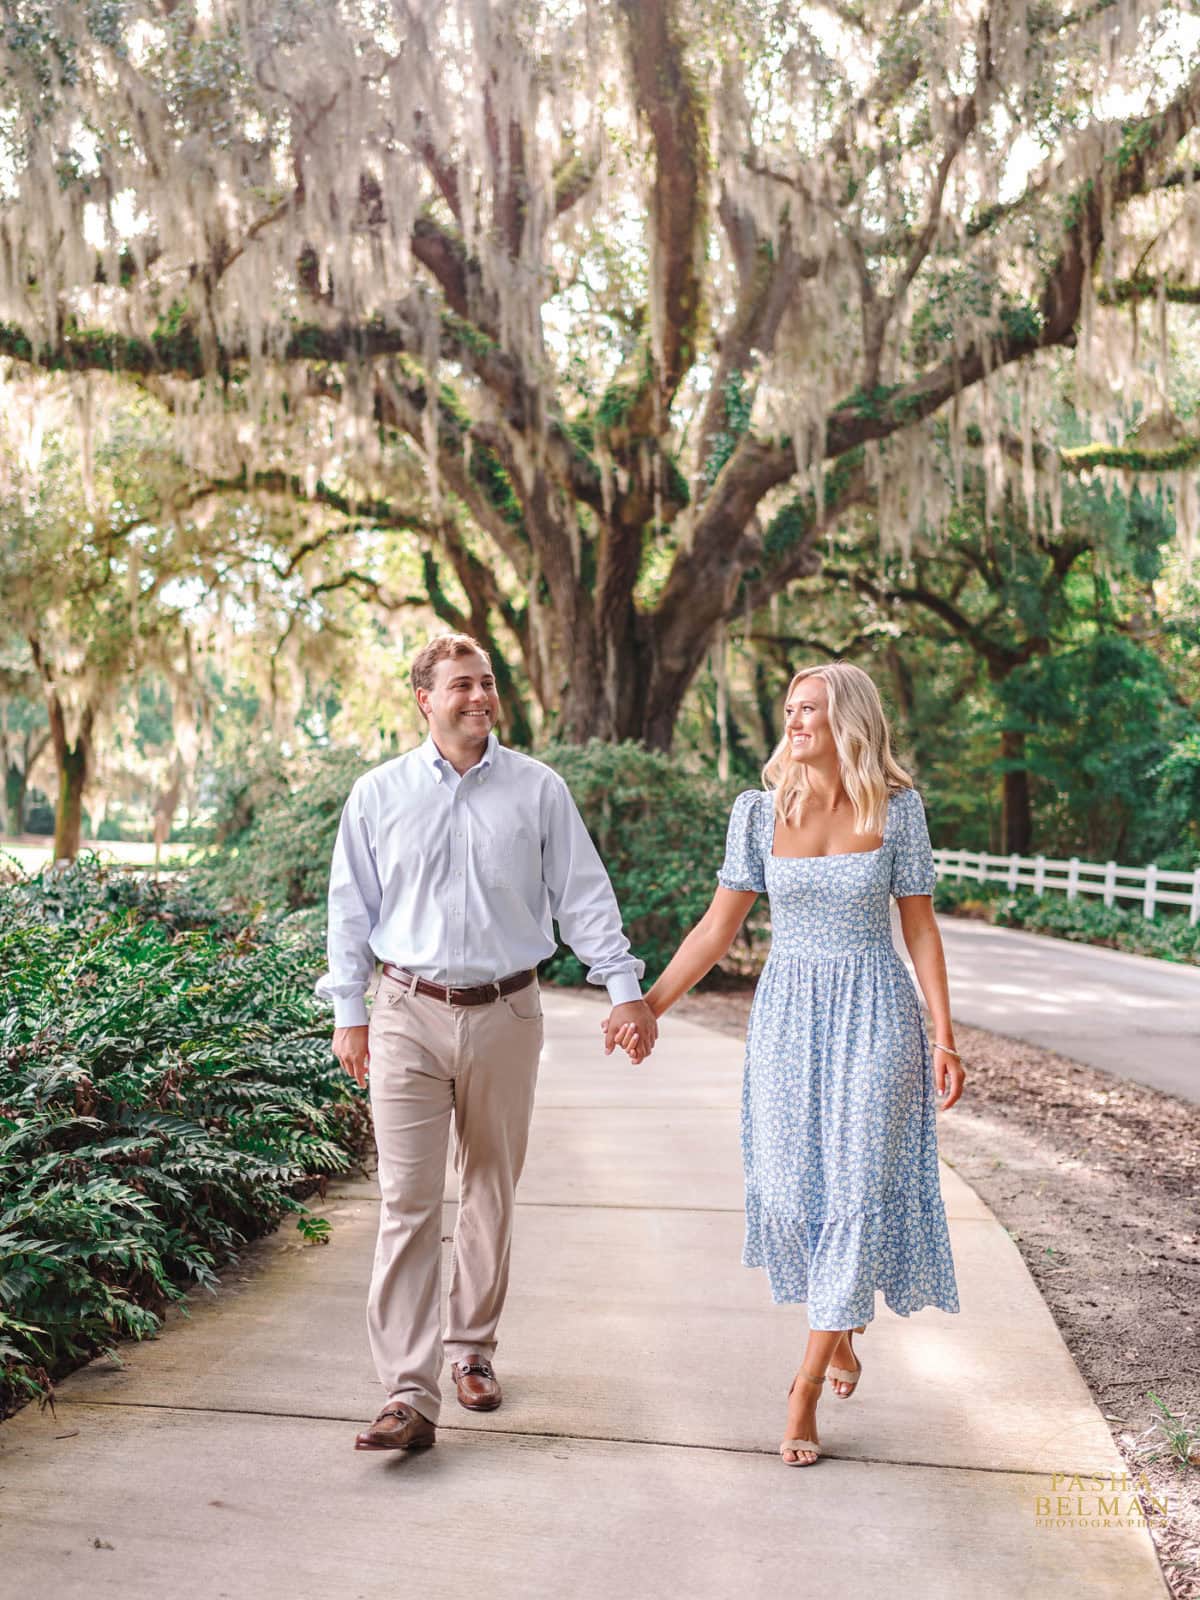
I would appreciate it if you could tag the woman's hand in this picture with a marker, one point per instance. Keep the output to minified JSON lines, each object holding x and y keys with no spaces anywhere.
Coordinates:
{"x":632,"y":1043}
{"x":632,"y":1013}
{"x":630,"y":1040}
{"x":948,"y":1075}
{"x":919,"y":926}
{"x":703,"y":947}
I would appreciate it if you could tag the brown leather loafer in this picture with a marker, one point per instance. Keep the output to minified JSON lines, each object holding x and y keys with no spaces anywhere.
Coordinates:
{"x":397,"y":1427}
{"x":477,"y":1385}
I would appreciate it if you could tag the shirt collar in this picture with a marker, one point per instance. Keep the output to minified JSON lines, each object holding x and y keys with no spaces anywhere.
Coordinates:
{"x":439,"y":766}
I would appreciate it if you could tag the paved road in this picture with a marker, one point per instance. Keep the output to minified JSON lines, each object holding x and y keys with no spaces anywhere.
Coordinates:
{"x":645,"y":1372}
{"x":1129,"y":1015}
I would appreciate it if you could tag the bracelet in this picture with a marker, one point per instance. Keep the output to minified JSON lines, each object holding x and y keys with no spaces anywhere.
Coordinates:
{"x":948,"y":1051}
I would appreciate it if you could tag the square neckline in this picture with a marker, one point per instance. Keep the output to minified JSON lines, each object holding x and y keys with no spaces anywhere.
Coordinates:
{"x":830,"y":855}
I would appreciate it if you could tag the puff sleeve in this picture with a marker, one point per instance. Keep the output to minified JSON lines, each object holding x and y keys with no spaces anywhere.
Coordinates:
{"x":913,"y":871}
{"x":743,"y":867}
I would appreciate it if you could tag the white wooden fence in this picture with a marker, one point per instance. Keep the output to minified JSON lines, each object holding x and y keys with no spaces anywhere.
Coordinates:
{"x":1152,"y":885}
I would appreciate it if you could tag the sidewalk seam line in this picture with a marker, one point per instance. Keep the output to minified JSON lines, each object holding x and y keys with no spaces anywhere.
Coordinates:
{"x":582,"y":1438}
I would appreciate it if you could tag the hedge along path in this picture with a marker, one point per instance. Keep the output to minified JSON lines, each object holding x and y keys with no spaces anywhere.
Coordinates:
{"x":167,"y":1093}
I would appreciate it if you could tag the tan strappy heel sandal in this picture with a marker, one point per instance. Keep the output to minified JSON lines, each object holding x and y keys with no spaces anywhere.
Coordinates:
{"x":838,"y":1375}
{"x":801,"y":1444}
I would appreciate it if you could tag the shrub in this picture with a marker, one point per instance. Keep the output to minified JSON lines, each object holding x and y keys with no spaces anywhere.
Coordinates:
{"x":167,"y":1092}
{"x":660,"y":831}
{"x":1084,"y":920}
{"x":278,"y":854}
{"x":1092,"y":922}
{"x":967,"y":898}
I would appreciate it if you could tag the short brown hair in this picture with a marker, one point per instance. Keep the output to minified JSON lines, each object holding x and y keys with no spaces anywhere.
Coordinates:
{"x":442,"y":648}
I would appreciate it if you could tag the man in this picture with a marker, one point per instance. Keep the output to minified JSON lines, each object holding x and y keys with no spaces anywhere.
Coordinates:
{"x":448,"y":865}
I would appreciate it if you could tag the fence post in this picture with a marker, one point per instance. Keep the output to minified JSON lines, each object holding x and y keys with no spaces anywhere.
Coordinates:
{"x":1039,"y":874}
{"x":1014,"y":866}
{"x":1151,"y":878}
{"x":958,"y":871}
{"x":1194,"y":913}
{"x":981,"y":874}
{"x":1110,"y":882}
{"x":1073,"y":878}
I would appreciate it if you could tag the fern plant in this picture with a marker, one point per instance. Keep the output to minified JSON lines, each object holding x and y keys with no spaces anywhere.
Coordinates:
{"x":167,"y":1092}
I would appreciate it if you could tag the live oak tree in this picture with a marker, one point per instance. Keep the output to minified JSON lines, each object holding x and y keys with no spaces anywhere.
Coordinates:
{"x":660,"y":290}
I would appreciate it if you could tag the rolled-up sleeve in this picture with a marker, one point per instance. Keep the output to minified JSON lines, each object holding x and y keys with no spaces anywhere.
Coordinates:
{"x":354,"y":901}
{"x":582,"y":899}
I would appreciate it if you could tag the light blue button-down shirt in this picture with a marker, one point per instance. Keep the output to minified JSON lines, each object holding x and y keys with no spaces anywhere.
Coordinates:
{"x":457,"y":878}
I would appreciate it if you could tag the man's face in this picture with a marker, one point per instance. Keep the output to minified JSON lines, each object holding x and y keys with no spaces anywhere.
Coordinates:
{"x":463,"y":703}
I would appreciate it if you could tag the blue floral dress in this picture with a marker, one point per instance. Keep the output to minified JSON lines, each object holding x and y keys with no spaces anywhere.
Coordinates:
{"x":839,"y":1137}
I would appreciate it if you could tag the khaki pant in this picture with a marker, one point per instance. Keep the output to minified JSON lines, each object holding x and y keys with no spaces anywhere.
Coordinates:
{"x":429,"y":1062}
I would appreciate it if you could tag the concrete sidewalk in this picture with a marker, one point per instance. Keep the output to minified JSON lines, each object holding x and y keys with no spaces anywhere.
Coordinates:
{"x":644,"y":1372}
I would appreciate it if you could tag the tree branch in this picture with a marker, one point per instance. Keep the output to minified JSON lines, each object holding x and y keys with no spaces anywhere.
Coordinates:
{"x":572,"y":180}
{"x":669,"y":100}
{"x":381,"y":512}
{"x":1132,"y":458}
{"x":767,"y":283}
{"x":784,"y":643}
{"x":876,"y":415}
{"x":351,"y":579}
{"x":1126,"y":291}
{"x":440,"y":170}
{"x":789,"y":543}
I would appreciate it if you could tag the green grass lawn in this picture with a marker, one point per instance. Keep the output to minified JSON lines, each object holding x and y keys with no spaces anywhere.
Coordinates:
{"x":32,"y":851}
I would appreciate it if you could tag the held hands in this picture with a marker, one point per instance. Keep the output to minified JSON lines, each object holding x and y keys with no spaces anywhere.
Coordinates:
{"x":634,"y":1027}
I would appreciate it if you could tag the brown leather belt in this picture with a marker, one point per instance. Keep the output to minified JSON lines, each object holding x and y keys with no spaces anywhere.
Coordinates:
{"x":481,"y":995}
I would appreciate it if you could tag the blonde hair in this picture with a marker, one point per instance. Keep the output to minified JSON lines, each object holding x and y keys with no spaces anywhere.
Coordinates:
{"x":869,"y":770}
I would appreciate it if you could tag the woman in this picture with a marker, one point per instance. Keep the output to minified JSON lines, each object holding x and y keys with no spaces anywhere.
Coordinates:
{"x":839,"y":1134}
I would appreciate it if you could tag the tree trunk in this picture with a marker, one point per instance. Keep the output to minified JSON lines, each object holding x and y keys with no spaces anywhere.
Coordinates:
{"x":623,"y":687}
{"x":625,"y":698}
{"x":166,"y":805}
{"x":902,"y":682}
{"x":518,"y":729}
{"x":766,"y":705}
{"x":68,"y":817}
{"x":16,"y":780}
{"x":720,"y":654}
{"x":1016,"y":817}
{"x":74,"y":764}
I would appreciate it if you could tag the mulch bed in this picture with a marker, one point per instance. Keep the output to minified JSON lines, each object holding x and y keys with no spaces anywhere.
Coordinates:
{"x":1097,"y":1180}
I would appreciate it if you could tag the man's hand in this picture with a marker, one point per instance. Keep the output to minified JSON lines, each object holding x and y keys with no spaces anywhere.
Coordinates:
{"x":641,"y":1023}
{"x":350,"y":1047}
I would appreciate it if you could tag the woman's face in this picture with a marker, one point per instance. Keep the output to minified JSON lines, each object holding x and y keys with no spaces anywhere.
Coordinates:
{"x":806,"y":721}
